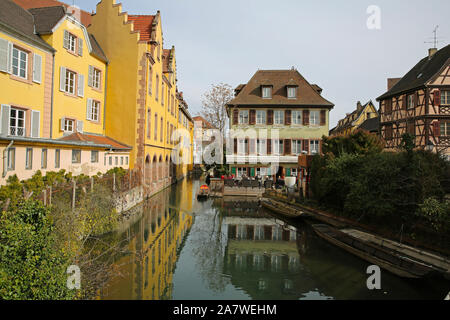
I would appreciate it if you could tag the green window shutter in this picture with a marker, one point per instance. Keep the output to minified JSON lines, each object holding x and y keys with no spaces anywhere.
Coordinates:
{"x":252,"y":172}
{"x":233,"y":170}
{"x":288,"y":172}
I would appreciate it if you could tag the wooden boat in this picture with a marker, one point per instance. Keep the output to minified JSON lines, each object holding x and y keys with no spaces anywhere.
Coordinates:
{"x":400,"y":265}
{"x":203,"y":194}
{"x":281,"y":208}
{"x":438,"y":262}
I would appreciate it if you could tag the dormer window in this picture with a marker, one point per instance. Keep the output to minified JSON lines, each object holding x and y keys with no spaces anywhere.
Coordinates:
{"x":292,"y":92}
{"x":267,"y":92}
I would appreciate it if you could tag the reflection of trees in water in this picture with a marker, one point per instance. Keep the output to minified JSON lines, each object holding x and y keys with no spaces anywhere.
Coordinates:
{"x":209,"y":246}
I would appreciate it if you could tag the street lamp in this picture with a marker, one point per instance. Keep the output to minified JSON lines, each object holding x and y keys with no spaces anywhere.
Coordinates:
{"x":430,"y":146}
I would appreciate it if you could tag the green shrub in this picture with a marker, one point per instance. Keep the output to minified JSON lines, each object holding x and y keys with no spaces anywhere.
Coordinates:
{"x":32,"y":265}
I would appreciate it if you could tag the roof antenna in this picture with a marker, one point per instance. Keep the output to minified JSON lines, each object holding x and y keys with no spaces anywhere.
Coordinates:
{"x":435,"y":38}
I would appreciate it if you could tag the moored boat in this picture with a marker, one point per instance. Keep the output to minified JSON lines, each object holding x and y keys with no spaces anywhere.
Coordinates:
{"x":203,"y":194}
{"x":398,"y":264}
{"x":282,"y":208}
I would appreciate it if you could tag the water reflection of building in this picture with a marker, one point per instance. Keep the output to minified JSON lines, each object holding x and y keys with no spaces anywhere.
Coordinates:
{"x":262,"y":257}
{"x":154,"y":242}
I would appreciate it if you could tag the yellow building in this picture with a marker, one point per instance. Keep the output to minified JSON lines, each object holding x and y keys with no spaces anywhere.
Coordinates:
{"x":356,"y":119}
{"x":142,"y":89}
{"x":52,"y":97}
{"x":79,"y":73}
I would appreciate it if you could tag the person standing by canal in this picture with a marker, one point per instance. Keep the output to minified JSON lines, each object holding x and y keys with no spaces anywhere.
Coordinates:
{"x":208,"y":179}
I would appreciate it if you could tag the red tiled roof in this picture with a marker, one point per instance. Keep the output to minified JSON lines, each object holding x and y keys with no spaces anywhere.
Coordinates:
{"x":143,"y":24}
{"x":205,"y":123}
{"x":95,"y":139}
{"x":86,"y":17}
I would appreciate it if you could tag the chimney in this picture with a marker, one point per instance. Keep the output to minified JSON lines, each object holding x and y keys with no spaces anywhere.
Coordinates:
{"x":392,"y":82}
{"x":431,"y":52}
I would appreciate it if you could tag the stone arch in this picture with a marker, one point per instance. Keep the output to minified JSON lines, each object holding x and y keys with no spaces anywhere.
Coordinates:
{"x":161,"y":171}
{"x":148,"y":170}
{"x":154,"y":169}
{"x":166,"y":167}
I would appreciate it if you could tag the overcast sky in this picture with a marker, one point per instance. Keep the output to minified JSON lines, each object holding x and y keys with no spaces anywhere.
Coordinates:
{"x":327,"y":41}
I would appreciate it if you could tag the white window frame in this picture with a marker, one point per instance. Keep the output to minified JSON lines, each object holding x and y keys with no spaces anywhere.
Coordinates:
{"x":69,"y":86}
{"x":241,"y":146}
{"x":72,"y":43}
{"x":96,"y":78}
{"x":243,"y":117}
{"x":278,"y":117}
{"x":297,"y":117}
{"x":95,"y":110}
{"x":18,"y":60}
{"x":267,"y":92}
{"x":314,"y":146}
{"x":314,"y":118}
{"x":16,"y":130}
{"x":292,"y":92}
{"x":261,"y":147}
{"x":278,"y":147}
{"x":69,"y":125}
{"x":297,"y":147}
{"x":261,"y":116}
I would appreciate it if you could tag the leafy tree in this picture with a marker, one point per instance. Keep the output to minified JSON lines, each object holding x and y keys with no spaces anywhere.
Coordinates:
{"x":359,"y":142}
{"x":32,"y":265}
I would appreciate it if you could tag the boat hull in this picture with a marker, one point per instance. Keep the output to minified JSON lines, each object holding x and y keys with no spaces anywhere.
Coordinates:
{"x":372,"y":254}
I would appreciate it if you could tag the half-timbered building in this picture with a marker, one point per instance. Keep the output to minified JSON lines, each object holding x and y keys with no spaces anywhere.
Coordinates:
{"x":419,"y":104}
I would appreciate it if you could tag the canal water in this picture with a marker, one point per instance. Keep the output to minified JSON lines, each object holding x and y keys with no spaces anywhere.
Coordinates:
{"x":231,"y":249}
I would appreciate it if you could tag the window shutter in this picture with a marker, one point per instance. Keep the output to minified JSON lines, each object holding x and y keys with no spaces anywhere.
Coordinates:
{"x":287,"y":146}
{"x":437,"y":98}
{"x":35,"y":124}
{"x":252,"y":117}
{"x":80,"y":47}
{"x":269,"y":117}
{"x":66,"y":39}
{"x":287,"y":115}
{"x":4,"y":55}
{"x":235,"y":146}
{"x":436,"y":129}
{"x":323,"y":117}
{"x":416,"y":99}
{"x":63,"y":120}
{"x":235,"y":116}
{"x":306,"y":146}
{"x":4,"y":119}
{"x":79,"y":126}
{"x":252,"y":146}
{"x":81,"y":85}
{"x":89,"y":109}
{"x":91,"y":76}
{"x":37,"y":68}
{"x":306,"y":117}
{"x":269,"y":146}
{"x":62,"y":80}
{"x":405,"y":100}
